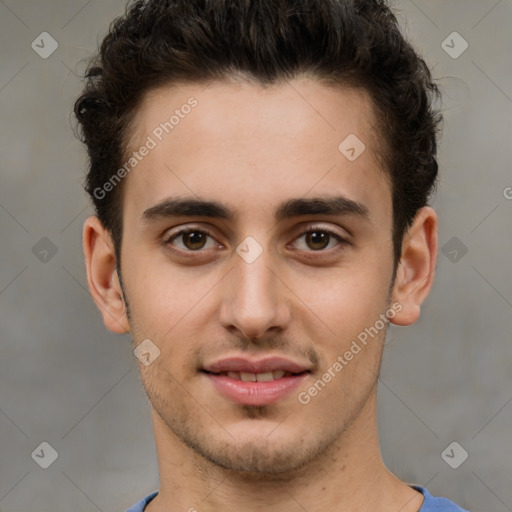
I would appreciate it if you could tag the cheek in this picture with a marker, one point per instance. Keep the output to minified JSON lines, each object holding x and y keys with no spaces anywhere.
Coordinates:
{"x":161,"y":294}
{"x":348,"y":301}
{"x":172,"y":307}
{"x":351,"y":349}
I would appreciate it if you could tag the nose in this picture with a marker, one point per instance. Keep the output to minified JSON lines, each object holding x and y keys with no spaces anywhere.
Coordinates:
{"x":254,"y":298}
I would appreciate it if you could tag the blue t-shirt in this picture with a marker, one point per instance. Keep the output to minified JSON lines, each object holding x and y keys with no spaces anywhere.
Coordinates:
{"x":430,"y":504}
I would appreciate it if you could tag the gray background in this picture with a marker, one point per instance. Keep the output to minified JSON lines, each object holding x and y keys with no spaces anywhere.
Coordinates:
{"x":67,"y":381}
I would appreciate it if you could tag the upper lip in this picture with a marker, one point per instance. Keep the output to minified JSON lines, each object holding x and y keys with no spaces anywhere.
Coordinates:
{"x":263,"y":365}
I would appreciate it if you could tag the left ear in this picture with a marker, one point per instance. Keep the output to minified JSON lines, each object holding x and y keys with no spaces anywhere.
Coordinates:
{"x":416,"y":269}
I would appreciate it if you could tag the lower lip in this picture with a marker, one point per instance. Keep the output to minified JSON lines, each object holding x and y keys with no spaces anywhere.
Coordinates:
{"x":256,"y":393}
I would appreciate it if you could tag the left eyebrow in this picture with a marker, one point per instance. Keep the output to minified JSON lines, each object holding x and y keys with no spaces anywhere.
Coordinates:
{"x":191,"y":207}
{"x":330,"y":205}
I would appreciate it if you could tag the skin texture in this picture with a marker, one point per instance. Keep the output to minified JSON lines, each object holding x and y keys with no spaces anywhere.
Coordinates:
{"x":251,"y":148}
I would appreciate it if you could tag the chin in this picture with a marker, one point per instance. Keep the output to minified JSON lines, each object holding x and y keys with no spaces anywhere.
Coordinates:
{"x":257,"y":455}
{"x":254,"y":460}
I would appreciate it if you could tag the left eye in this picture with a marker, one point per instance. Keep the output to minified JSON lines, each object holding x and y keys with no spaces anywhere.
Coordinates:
{"x":318,"y":239}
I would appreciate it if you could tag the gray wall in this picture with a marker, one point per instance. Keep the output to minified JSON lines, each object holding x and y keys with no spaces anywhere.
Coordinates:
{"x":67,"y":381}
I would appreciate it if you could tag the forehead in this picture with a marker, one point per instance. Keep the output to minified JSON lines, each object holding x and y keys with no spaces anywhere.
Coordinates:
{"x":245,"y":144}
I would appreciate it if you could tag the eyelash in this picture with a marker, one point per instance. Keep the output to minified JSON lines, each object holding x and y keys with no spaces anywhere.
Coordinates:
{"x":190,"y":254}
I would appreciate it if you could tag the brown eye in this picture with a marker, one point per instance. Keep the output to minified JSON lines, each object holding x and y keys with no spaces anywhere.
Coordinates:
{"x":190,"y":240}
{"x":194,"y":240}
{"x":317,"y":240}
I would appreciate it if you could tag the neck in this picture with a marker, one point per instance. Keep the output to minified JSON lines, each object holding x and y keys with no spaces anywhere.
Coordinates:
{"x":348,"y":475}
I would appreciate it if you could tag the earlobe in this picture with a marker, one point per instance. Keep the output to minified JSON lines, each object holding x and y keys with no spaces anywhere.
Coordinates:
{"x":102,"y":276}
{"x":416,"y":269}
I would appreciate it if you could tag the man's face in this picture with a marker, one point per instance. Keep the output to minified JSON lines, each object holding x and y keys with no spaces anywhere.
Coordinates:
{"x":305,"y":299}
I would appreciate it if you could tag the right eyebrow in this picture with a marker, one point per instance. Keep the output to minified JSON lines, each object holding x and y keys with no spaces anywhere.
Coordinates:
{"x":174,"y":207}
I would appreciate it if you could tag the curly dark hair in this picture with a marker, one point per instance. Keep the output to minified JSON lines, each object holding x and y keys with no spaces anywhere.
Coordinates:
{"x":357,"y":43}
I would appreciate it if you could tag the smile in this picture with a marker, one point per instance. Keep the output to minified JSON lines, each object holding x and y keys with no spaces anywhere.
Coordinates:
{"x":256,"y":377}
{"x":256,"y":389}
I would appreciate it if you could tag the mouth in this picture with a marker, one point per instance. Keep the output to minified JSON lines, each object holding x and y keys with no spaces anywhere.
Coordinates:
{"x":256,"y":377}
{"x":257,"y":383}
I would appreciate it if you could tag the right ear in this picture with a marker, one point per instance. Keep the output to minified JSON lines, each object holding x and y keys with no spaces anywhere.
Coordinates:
{"x":104,"y":285}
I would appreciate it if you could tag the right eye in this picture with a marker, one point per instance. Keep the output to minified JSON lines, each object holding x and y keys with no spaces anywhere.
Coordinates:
{"x":192,"y":239}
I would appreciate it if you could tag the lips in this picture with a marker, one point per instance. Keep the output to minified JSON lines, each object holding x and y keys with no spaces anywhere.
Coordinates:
{"x":256,"y":377}
{"x":255,"y":382}
{"x":246,"y":365}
